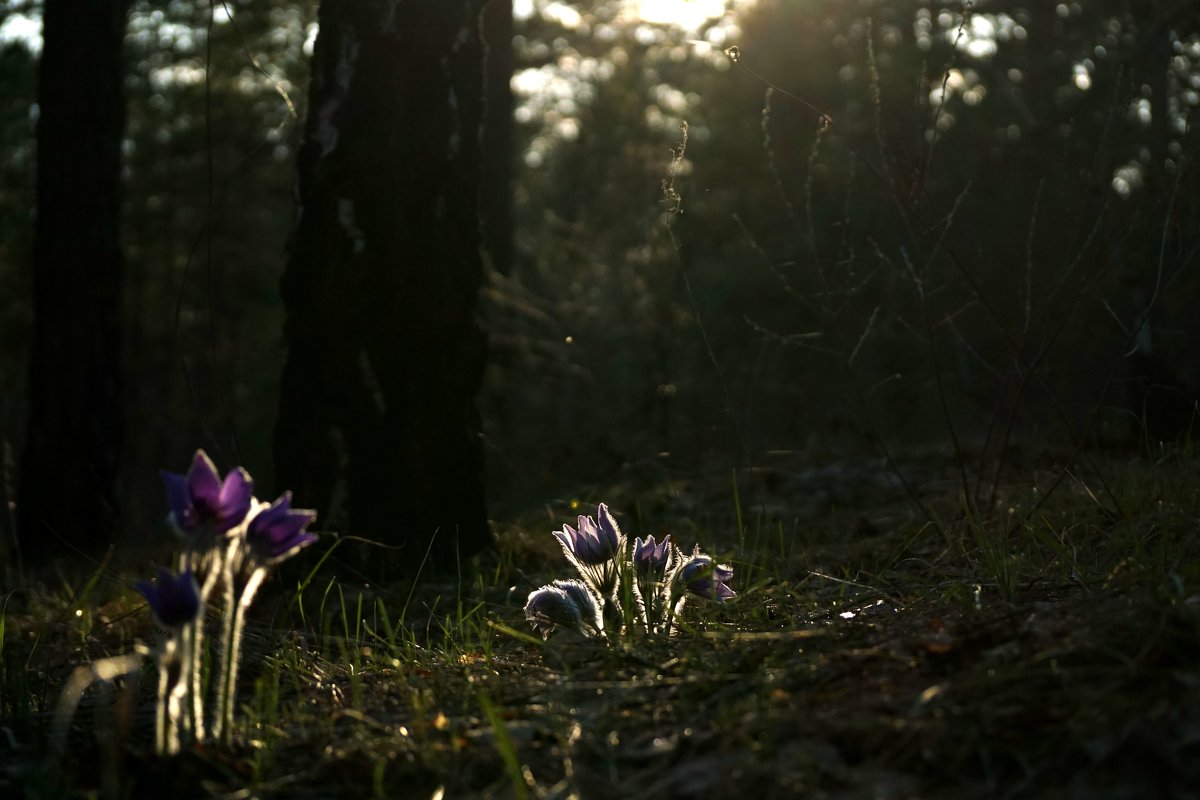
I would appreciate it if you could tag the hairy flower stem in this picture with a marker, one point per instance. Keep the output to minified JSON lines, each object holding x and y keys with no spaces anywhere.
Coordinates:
{"x":676,"y":610}
{"x":160,"y":708}
{"x":643,"y":603}
{"x":209,"y":567}
{"x":188,"y":718}
{"x":614,"y":621}
{"x":233,"y":653}
{"x":224,"y":664}
{"x":647,"y":595}
{"x":176,"y":690}
{"x":166,"y":733}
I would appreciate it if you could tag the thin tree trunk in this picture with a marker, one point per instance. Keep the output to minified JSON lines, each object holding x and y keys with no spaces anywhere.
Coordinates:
{"x":378,"y":427}
{"x":67,"y":494}
{"x":497,"y":160}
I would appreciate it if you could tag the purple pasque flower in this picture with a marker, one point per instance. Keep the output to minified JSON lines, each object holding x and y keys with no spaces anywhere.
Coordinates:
{"x":174,"y":599}
{"x":655,"y":566}
{"x":200,"y":500}
{"x":278,"y":531}
{"x":653,"y":559}
{"x":702,"y":576}
{"x":594,"y":543}
{"x":570,"y":604}
{"x":595,"y":550}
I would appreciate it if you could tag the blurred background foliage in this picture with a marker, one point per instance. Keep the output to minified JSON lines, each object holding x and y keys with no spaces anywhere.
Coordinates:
{"x":903,"y":224}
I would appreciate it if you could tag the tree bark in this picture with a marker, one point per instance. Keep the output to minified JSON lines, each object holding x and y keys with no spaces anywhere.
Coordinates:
{"x":496,"y":209}
{"x":68,"y":484}
{"x":378,"y":428}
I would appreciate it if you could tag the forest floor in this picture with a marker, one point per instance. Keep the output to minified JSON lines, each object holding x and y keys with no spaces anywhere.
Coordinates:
{"x":1046,"y":648}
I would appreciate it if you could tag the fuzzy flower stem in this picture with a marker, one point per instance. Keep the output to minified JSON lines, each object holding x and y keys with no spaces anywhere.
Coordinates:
{"x":160,"y":708}
{"x":175,"y":603}
{"x":651,"y":603}
{"x":674,"y":610}
{"x":233,"y":653}
{"x":176,"y":691}
{"x":228,"y":622}
{"x":185,"y":707}
{"x":614,"y":621}
{"x":168,"y":676}
{"x":192,"y":637}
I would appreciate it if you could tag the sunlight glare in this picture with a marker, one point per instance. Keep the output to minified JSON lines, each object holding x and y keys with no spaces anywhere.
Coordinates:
{"x":687,"y":14}
{"x":23,"y":29}
{"x":563,"y":14}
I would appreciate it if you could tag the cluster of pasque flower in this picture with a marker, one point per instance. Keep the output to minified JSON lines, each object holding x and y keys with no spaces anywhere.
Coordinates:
{"x":658,"y":575}
{"x":230,"y":540}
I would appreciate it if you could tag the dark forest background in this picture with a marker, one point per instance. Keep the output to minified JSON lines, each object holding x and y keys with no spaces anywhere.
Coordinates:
{"x":898,"y":231}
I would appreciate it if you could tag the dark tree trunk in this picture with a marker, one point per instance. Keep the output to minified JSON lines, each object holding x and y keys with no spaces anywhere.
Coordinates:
{"x":496,"y":195}
{"x":67,"y":493}
{"x":378,"y":427}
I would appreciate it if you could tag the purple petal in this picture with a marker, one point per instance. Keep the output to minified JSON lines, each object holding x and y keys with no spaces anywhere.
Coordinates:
{"x":585,"y":538}
{"x":278,"y":531}
{"x":643,"y":551}
{"x":707,"y":579}
{"x":608,"y":529}
{"x":651,"y":556}
{"x":233,"y":499}
{"x":566,"y":537}
{"x":592,"y":544}
{"x":581,"y":543}
{"x":174,"y":600}
{"x":178,"y":499}
{"x":203,"y":483}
